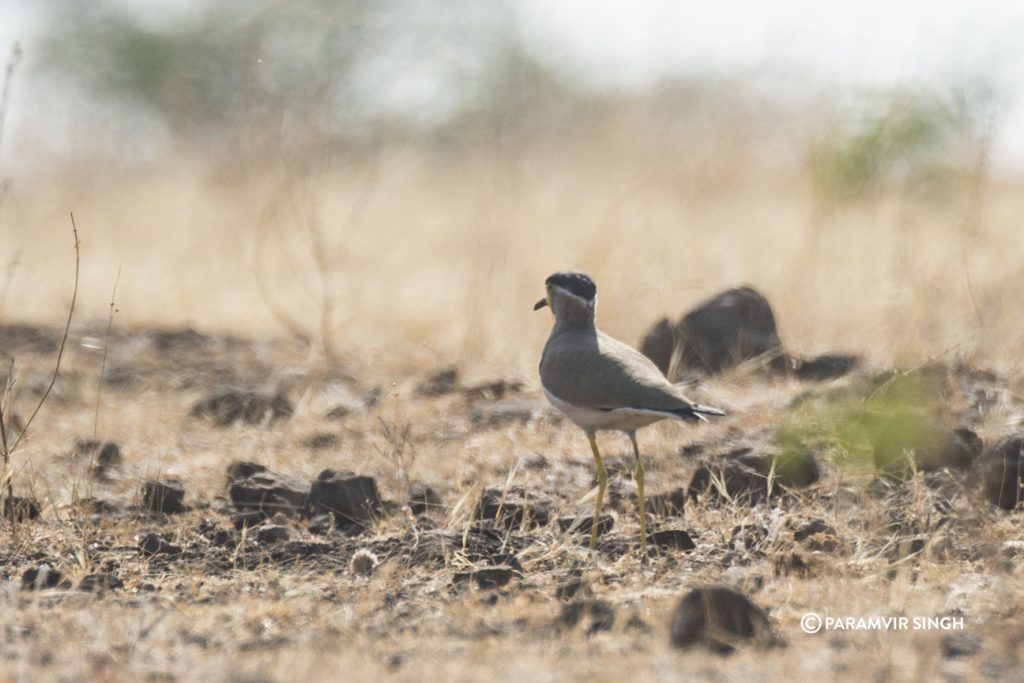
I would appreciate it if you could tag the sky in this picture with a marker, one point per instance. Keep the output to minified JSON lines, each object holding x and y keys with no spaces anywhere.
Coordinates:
{"x":868,"y":43}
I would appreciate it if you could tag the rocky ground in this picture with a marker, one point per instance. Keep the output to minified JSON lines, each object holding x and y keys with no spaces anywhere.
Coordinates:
{"x":219,"y":509}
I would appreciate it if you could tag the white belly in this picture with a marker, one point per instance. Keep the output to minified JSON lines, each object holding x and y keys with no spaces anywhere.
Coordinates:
{"x":592,"y":420}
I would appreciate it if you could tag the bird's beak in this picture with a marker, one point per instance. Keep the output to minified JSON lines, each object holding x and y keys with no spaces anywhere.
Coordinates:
{"x":540,"y":304}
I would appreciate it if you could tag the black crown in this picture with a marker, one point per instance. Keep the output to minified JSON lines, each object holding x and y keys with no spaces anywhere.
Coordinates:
{"x":576,"y":282}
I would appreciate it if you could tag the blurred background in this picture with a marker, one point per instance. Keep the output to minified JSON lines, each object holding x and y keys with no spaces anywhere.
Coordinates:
{"x":391,"y":182}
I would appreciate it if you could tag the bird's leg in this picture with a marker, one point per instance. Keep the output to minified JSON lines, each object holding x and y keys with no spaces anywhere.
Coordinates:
{"x":640,"y":495}
{"x":602,"y":480}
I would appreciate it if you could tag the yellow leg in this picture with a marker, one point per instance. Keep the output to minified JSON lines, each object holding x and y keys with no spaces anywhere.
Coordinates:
{"x":640,"y":495}
{"x":602,"y":480}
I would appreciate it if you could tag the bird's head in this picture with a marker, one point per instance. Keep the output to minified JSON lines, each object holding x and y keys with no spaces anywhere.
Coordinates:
{"x":569,"y":292}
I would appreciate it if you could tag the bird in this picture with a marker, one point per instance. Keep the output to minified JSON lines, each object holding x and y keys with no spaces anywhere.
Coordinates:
{"x":602,"y":384}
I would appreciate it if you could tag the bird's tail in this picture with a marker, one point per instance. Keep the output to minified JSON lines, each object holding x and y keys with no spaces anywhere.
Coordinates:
{"x":696,"y":413}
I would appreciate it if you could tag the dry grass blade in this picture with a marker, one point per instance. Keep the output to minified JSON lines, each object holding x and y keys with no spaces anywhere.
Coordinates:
{"x":60,"y":350}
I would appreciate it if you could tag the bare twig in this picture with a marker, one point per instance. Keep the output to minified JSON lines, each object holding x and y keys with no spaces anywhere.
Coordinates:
{"x":5,"y":94}
{"x":6,"y":447}
{"x":63,"y":344}
{"x":106,"y":351}
{"x":12,"y":266}
{"x":971,"y":222}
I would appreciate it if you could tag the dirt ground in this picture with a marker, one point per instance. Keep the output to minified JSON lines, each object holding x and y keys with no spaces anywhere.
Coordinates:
{"x":100,"y":586}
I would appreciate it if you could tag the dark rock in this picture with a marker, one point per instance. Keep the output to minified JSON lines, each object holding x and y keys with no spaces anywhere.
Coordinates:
{"x":96,"y":506}
{"x":1001,"y":468}
{"x":242,"y":469}
{"x":502,"y":414}
{"x":230,"y":406}
{"x":264,"y":493}
{"x":957,"y":450}
{"x":423,"y":500}
{"x":956,"y":645}
{"x":492,"y":391}
{"x":320,"y":441}
{"x":729,"y":328}
{"x":719,"y":618}
{"x":271,"y":533}
{"x":166,"y":496}
{"x":817,"y":535}
{"x":100,"y":583}
{"x":517,"y":507}
{"x":29,"y":339}
{"x":154,"y":544}
{"x":821,"y":368}
{"x":339,"y":412}
{"x":43,"y":577}
{"x":442,"y":382}
{"x":569,"y":588}
{"x":21,"y":509}
{"x":671,"y":539}
{"x":104,"y":455}
{"x":185,"y":339}
{"x":659,"y":344}
{"x":597,"y":615}
{"x":584,"y":524}
{"x":321,"y":525}
{"x":671,"y":504}
{"x":745,"y":475}
{"x":810,"y":529}
{"x":352,"y":499}
{"x":749,"y":536}
{"x":488,"y":577}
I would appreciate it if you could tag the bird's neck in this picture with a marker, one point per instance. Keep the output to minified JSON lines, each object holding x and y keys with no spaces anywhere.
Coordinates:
{"x":574,"y":318}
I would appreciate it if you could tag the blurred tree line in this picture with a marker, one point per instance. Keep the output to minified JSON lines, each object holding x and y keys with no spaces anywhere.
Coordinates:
{"x":242,"y":78}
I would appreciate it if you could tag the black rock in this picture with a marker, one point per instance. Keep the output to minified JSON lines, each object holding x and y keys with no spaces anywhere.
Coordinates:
{"x":100,"y":583}
{"x":745,"y":475}
{"x":491,"y":391}
{"x":583,"y":525}
{"x":320,"y":441}
{"x":488,"y":577}
{"x":598,"y":615}
{"x":230,"y":406}
{"x":264,"y":493}
{"x":516,"y":507}
{"x":271,"y":533}
{"x":817,"y":535}
{"x":719,"y":618}
{"x":502,"y":414}
{"x":749,"y":536}
{"x":153,"y":544}
{"x":569,"y":588}
{"x":956,"y":645}
{"x":21,"y":509}
{"x":442,"y":382}
{"x":105,"y":456}
{"x":671,"y":504}
{"x":97,"y":506}
{"x":321,"y":525}
{"x":241,"y":469}
{"x":729,"y":328}
{"x":166,"y":496}
{"x":185,"y":339}
{"x":1001,"y":468}
{"x":660,"y":343}
{"x":671,"y":539}
{"x":351,"y":498}
{"x":821,"y":368}
{"x":423,"y":499}
{"x":43,"y":577}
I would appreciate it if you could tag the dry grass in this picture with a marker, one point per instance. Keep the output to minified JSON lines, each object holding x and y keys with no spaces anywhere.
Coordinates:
{"x":443,"y":266}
